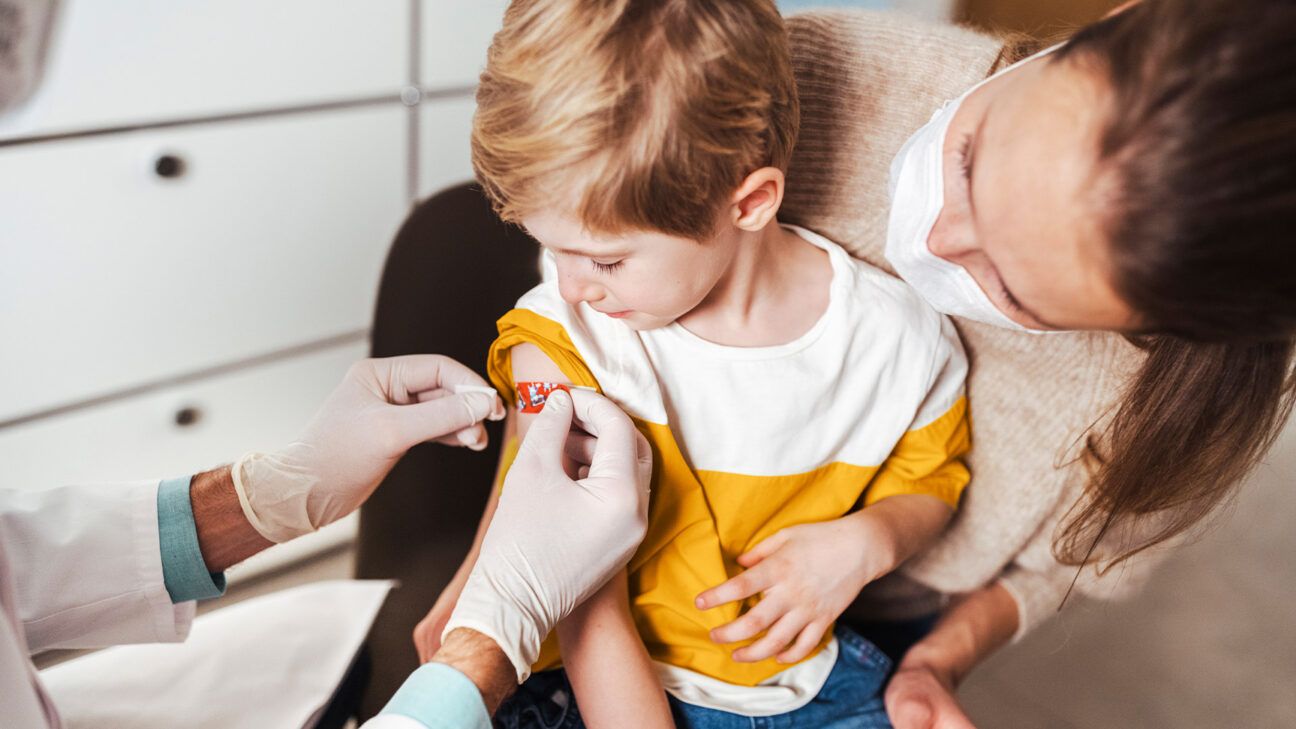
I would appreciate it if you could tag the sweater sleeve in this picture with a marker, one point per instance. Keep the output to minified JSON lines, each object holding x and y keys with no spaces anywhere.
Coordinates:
{"x":1039,"y":583}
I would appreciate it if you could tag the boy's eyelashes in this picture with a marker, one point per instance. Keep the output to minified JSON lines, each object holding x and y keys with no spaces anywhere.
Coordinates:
{"x":602,"y":267}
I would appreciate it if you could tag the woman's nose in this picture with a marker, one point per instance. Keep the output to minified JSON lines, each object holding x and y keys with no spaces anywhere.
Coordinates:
{"x":952,"y":237}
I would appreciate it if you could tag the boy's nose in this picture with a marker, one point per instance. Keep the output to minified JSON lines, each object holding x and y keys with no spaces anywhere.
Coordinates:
{"x":574,"y":290}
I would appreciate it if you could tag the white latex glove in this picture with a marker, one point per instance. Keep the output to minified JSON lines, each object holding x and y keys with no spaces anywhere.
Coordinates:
{"x":382,"y":408}
{"x":555,"y":540}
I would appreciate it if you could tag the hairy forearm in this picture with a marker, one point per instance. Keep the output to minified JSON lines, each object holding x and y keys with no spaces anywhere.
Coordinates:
{"x":971,"y":629}
{"x":224,"y":534}
{"x":482,"y":661}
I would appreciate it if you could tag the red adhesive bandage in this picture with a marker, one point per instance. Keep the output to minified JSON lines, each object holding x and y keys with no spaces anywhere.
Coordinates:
{"x":532,"y":395}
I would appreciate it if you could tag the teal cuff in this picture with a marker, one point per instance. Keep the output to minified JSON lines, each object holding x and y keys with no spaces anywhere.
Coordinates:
{"x":183,"y":569}
{"x":440,"y":697}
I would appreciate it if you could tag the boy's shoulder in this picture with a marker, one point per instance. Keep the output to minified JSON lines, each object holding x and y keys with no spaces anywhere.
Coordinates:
{"x":878,"y":299}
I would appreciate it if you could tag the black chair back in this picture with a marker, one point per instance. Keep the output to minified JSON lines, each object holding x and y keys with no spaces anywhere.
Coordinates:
{"x":453,"y":270}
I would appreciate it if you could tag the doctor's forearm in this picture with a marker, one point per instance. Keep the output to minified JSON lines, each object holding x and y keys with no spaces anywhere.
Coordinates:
{"x":481,"y":660}
{"x":224,"y":535}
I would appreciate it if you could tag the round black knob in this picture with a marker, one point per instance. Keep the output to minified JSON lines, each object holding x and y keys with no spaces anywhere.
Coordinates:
{"x":187,"y":416}
{"x":169,"y":166}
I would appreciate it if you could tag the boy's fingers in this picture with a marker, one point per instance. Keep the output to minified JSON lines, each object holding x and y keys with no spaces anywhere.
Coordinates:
{"x":805,"y":642}
{"x":580,"y":448}
{"x":745,"y":585}
{"x":751,"y":624}
{"x":765,"y":548}
{"x":778,"y":637}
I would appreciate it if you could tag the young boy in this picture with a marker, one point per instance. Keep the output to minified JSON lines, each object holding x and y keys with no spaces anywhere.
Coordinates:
{"x":806,"y":411}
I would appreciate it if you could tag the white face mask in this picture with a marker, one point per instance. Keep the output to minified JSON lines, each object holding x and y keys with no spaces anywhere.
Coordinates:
{"x":917,"y":196}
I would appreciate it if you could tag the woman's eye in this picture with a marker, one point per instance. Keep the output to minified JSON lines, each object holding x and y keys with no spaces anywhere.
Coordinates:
{"x":606,"y":267}
{"x":965,"y":158}
{"x":1009,"y":298}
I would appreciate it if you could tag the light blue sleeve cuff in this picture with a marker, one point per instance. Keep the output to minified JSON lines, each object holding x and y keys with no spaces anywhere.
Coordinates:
{"x":440,"y":697}
{"x":183,"y":569}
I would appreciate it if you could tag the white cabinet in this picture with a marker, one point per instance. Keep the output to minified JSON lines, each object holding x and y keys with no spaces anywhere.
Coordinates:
{"x":272,"y":234}
{"x":175,"y":430}
{"x":124,"y":62}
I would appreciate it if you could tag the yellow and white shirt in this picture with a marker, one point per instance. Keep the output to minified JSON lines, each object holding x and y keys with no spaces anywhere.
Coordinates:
{"x":748,"y":440}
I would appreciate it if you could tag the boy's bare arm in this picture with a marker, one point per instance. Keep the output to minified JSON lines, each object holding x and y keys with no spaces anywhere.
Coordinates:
{"x":427,"y":634}
{"x":910,"y":522}
{"x":605,"y":660}
{"x":608,"y":666}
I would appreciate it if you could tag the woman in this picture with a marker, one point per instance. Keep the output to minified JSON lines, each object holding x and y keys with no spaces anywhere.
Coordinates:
{"x":1136,"y":182}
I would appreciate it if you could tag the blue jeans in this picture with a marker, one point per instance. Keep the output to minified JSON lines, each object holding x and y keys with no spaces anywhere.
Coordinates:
{"x":851,"y":698}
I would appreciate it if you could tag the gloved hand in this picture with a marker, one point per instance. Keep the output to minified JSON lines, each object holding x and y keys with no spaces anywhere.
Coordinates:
{"x":382,"y":408}
{"x":556,"y":539}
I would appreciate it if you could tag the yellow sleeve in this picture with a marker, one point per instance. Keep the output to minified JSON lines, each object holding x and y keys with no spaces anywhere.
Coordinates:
{"x":928,"y":460}
{"x":522,"y":326}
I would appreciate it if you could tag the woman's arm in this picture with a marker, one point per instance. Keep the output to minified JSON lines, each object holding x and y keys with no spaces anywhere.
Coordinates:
{"x":608,"y":666}
{"x":921,"y":694}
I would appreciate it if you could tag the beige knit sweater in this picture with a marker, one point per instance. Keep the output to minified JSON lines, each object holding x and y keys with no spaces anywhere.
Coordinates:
{"x":867,"y":80}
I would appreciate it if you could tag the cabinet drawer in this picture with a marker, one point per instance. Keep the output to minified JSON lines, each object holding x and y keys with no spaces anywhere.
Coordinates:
{"x":272,"y":233}
{"x":176,"y":430}
{"x":140,"y":61}
{"x":454,"y":36}
{"x":256,"y":409}
{"x":445,"y":151}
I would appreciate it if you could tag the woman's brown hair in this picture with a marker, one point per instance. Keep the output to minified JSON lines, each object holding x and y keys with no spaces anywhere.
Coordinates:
{"x":1197,"y":164}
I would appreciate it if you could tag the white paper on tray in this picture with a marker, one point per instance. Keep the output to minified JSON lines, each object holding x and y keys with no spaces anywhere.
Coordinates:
{"x":271,"y":661}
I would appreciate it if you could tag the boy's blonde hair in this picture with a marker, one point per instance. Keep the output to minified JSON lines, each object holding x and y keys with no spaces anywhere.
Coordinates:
{"x":633,"y":114}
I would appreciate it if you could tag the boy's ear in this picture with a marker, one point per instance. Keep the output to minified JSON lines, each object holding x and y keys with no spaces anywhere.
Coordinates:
{"x":756,"y":201}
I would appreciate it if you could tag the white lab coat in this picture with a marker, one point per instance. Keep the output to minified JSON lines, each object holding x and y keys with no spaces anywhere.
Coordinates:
{"x":80,"y":567}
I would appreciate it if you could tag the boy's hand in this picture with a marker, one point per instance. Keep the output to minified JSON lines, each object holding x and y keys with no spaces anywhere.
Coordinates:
{"x":427,"y":634}
{"x":808,"y":575}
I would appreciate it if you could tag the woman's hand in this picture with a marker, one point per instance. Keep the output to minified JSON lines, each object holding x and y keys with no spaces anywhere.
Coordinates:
{"x":806,"y":576}
{"x":919,"y":698}
{"x":921,"y":693}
